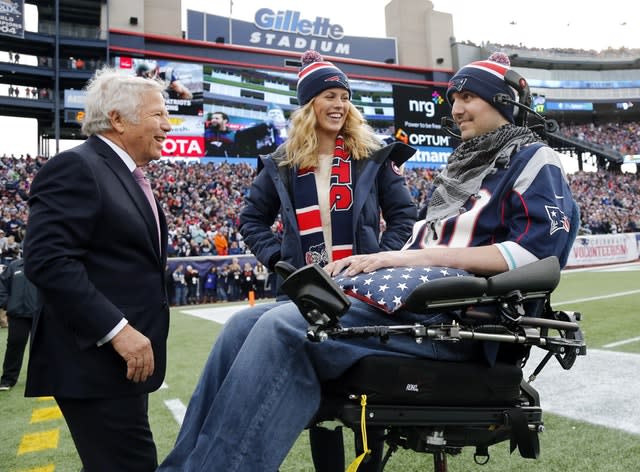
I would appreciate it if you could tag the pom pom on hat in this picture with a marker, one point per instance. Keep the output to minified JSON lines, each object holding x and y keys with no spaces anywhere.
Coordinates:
{"x":317,"y":75}
{"x":309,"y":57}
{"x":486,"y":80}
{"x":500,"y":58}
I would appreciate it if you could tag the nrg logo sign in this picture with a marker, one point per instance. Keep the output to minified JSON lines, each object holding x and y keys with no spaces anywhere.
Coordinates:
{"x":428,"y":107}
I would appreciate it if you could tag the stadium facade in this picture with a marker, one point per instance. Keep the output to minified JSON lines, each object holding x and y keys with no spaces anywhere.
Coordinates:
{"x":245,"y":69}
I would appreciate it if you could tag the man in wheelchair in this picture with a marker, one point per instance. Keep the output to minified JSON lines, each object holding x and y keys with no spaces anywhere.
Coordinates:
{"x":502,"y":206}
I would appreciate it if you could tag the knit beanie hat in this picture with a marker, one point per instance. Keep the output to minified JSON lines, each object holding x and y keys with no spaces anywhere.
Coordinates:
{"x":317,"y":75}
{"x":486,"y":80}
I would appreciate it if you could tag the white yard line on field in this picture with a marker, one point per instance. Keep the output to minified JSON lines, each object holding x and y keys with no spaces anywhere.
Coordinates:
{"x":601,"y":388}
{"x":177,"y":409}
{"x":621,"y":343}
{"x":600,"y":297}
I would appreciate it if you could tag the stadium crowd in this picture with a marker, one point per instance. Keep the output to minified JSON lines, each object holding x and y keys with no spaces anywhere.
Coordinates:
{"x":622,"y":137}
{"x":202,"y":202}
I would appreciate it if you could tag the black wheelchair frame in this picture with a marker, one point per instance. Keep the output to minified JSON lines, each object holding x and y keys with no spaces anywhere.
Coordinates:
{"x":440,"y":407}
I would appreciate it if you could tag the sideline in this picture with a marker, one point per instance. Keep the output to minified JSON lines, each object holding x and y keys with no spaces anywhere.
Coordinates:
{"x":582,"y":395}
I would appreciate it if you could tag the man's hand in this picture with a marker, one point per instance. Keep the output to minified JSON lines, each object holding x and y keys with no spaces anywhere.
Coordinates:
{"x":135,"y":348}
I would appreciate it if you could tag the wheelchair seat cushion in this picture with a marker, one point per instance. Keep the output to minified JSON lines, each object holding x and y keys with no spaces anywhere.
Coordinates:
{"x":413,"y":381}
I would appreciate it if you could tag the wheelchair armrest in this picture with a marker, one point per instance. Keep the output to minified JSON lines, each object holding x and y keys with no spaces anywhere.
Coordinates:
{"x":448,"y":291}
{"x":539,"y":276}
{"x":317,"y":296}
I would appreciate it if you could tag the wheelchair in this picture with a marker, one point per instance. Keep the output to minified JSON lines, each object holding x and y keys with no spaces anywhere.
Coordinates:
{"x":441,"y":407}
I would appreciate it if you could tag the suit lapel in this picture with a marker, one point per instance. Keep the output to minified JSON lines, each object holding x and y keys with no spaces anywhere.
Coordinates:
{"x":138,"y":197}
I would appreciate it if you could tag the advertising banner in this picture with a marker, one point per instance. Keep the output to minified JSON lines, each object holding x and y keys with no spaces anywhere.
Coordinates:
{"x":603,"y":249}
{"x":418,"y":123}
{"x":247,"y":111}
{"x":12,"y":18}
{"x":183,"y":86}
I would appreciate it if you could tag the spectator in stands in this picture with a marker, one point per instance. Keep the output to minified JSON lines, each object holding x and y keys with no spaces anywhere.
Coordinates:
{"x":11,"y":250}
{"x":4,"y":246}
{"x":502,"y":202}
{"x":221,"y":243}
{"x":234,"y":249}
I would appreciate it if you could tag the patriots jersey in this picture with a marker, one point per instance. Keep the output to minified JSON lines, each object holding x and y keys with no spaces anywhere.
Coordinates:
{"x":524,"y":208}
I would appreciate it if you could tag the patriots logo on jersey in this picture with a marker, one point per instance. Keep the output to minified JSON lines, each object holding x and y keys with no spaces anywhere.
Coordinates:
{"x":559,"y":221}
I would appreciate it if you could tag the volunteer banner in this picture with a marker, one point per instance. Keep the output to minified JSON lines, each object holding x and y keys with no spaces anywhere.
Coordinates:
{"x":603,"y":249}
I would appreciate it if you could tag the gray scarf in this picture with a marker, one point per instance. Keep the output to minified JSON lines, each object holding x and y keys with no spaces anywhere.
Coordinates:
{"x":469,"y":164}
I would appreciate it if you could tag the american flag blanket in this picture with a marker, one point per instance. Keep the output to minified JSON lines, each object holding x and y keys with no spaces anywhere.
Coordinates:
{"x":388,"y":289}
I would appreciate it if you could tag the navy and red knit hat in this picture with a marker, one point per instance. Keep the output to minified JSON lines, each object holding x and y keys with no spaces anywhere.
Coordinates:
{"x":317,"y":75}
{"x":486,"y":80}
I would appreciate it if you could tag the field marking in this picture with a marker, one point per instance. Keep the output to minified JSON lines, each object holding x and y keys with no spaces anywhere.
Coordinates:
{"x":46,"y":468}
{"x":45,"y":414}
{"x":177,"y":409}
{"x":620,"y":343}
{"x":600,"y":297}
{"x":586,"y":392}
{"x":40,"y":441}
{"x":217,"y":314}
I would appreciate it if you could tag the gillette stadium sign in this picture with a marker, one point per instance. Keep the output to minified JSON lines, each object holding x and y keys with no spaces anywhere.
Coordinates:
{"x":289,"y":30}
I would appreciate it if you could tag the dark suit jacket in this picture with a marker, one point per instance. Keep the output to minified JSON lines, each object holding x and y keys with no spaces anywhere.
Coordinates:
{"x":92,"y":250}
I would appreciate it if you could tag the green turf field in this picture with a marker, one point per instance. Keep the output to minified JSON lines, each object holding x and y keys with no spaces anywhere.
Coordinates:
{"x":34,"y":438}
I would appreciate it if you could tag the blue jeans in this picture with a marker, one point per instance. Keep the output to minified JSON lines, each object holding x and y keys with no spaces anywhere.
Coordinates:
{"x":181,"y":294}
{"x":260,"y":386}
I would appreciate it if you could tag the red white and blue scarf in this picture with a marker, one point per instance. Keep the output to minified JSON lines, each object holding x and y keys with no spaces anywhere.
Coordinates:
{"x":341,"y":191}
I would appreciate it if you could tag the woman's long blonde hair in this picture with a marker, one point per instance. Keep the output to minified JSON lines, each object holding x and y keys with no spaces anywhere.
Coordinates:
{"x":302,"y":143}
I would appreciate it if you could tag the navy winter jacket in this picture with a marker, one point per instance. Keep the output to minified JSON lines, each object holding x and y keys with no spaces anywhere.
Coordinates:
{"x":378,"y":188}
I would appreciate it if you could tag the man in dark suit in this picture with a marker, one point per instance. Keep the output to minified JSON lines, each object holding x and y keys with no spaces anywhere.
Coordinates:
{"x":96,"y":250}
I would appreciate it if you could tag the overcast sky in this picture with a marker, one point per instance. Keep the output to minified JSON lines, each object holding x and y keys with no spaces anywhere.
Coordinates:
{"x":581,"y":24}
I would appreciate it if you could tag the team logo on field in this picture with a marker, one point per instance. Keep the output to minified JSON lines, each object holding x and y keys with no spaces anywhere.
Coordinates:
{"x":559,"y":221}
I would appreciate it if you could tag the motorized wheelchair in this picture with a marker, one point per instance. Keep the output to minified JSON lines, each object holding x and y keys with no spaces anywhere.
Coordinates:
{"x":440,"y":407}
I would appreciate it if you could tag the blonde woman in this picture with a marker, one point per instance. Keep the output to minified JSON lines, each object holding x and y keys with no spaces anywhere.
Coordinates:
{"x":330,"y":182}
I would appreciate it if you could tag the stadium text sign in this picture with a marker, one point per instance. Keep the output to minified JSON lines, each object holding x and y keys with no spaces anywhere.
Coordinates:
{"x":290,"y":22}
{"x":289,"y":30}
